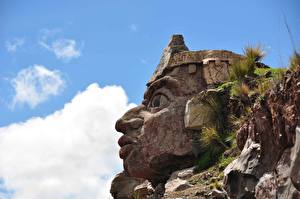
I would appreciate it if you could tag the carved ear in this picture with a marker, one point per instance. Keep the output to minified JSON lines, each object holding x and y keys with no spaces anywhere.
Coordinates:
{"x":192,"y":109}
{"x":197,"y":109}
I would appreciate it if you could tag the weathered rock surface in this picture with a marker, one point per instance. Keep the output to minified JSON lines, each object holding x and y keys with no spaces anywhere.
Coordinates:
{"x":268,"y":166}
{"x":176,"y":185}
{"x":162,"y":134}
{"x":123,"y":186}
{"x":178,"y":182}
{"x":203,"y":103}
{"x":143,"y":190}
{"x":218,"y":194}
{"x":155,"y":141}
{"x":295,"y":161}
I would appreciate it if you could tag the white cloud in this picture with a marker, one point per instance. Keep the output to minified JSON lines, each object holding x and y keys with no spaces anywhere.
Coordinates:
{"x":14,"y":44}
{"x":133,"y":27}
{"x":71,"y":153}
{"x":64,"y":49}
{"x":35,"y":85}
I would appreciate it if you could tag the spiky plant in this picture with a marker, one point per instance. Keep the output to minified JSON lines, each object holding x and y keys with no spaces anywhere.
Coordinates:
{"x":246,"y":66}
{"x":238,"y":70}
{"x":295,"y":61}
{"x":240,"y":90}
{"x":253,"y":54}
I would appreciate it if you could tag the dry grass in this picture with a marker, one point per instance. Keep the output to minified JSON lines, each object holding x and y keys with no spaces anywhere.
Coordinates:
{"x":255,"y":53}
{"x":241,"y":90}
{"x":294,"y":61}
{"x":246,"y":67}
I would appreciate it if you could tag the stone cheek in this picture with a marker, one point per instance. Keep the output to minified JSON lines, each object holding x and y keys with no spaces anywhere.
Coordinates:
{"x":163,"y":132}
{"x":161,"y":142}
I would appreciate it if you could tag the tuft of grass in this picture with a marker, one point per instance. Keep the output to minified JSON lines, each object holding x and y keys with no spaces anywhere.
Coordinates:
{"x":214,"y":144}
{"x":295,"y":61}
{"x":214,"y":112}
{"x":240,"y":90}
{"x":210,"y":138}
{"x":238,"y":70}
{"x":226,"y":85}
{"x":263,"y":86}
{"x":246,"y":67}
{"x":255,"y":53}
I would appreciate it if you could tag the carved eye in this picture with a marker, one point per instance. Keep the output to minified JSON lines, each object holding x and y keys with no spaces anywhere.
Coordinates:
{"x":159,"y":100}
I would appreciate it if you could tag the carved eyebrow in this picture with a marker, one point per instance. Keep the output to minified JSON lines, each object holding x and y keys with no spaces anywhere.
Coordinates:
{"x":167,"y":81}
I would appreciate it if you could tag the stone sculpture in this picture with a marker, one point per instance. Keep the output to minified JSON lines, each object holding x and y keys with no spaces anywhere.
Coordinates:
{"x":156,"y":141}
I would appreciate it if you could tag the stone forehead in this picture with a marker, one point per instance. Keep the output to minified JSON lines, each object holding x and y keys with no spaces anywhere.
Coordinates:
{"x":177,"y":54}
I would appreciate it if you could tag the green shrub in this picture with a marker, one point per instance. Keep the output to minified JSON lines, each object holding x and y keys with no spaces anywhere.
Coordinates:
{"x":224,"y":162}
{"x":275,"y":71}
{"x":213,"y":144}
{"x":205,"y":161}
{"x":226,"y":85}
{"x":263,"y":86}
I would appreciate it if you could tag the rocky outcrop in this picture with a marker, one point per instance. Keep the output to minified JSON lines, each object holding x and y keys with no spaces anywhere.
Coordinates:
{"x":178,"y":180}
{"x":122,"y":186}
{"x":181,"y":104}
{"x":268,"y":166}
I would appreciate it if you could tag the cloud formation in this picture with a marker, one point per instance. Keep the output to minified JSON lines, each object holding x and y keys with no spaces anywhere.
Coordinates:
{"x":14,"y":44}
{"x":64,"y":49}
{"x":71,"y":153}
{"x":34,"y":85}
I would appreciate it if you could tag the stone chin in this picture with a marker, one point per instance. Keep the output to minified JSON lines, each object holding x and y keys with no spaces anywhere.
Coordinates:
{"x":158,"y":168}
{"x":135,"y":164}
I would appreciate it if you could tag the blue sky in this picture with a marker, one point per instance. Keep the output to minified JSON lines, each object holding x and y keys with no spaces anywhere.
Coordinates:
{"x":121,"y":41}
{"x":52,"y":50}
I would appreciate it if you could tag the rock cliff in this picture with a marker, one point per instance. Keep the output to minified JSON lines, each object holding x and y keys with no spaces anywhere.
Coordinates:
{"x":268,"y":166}
{"x":213,"y":124}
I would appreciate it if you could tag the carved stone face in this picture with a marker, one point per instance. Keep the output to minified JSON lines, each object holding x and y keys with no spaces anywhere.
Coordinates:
{"x":155,"y":141}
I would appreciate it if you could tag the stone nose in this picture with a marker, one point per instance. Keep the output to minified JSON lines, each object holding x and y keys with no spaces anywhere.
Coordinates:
{"x":124,"y":125}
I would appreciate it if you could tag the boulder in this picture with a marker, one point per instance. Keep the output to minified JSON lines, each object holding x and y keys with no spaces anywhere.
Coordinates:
{"x":143,"y":190}
{"x":183,"y":174}
{"x":122,"y":186}
{"x":218,"y":194}
{"x":295,"y":164}
{"x":177,"y":185}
